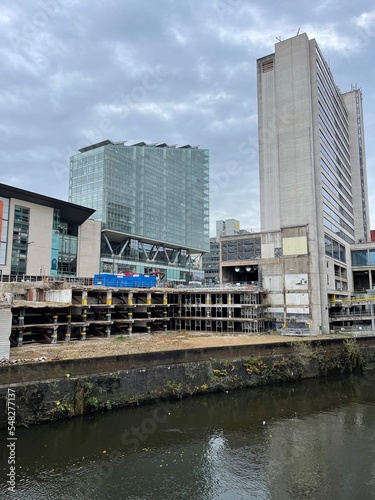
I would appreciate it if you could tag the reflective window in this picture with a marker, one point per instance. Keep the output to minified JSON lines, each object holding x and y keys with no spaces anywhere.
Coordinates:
{"x":20,"y":240}
{"x":161,"y":193}
{"x":334,"y":249}
{"x":359,"y":257}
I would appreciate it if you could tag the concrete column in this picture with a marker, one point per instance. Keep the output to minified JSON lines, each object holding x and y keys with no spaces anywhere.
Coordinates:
{"x":21,"y":324}
{"x":68,"y":326}
{"x":84,"y":319}
{"x":108,"y":302}
{"x":55,"y":327}
{"x":208,"y":305}
{"x":230,"y":309}
{"x":130,"y":326}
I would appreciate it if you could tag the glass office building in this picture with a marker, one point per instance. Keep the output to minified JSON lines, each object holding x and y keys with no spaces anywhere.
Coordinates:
{"x":150,"y":193}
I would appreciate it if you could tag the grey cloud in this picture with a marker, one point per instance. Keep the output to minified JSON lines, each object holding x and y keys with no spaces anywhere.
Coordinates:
{"x":82,"y":71}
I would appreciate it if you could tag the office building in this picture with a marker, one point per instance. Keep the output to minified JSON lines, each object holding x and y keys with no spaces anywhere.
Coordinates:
{"x":153,"y":203}
{"x":43,"y":236}
{"x":211,"y":263}
{"x":312,"y":168}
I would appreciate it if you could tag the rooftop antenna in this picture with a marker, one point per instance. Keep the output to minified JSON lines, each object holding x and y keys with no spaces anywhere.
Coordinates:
{"x":278,"y":38}
{"x":298,"y":31}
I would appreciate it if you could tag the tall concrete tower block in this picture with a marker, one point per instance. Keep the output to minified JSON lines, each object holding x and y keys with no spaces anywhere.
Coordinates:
{"x":308,"y":128}
{"x":312,"y":164}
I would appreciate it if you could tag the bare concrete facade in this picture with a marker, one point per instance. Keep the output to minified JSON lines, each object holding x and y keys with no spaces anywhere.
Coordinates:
{"x":312,"y":166}
{"x":88,"y":258}
{"x":353,"y":102}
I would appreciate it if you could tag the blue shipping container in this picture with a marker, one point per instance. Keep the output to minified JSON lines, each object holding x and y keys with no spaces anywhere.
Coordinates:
{"x":125,"y":280}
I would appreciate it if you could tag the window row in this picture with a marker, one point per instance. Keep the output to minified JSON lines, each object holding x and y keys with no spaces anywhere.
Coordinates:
{"x":334,"y":249}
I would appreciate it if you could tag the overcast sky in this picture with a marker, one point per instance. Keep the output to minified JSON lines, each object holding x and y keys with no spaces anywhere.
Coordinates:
{"x":76,"y":72}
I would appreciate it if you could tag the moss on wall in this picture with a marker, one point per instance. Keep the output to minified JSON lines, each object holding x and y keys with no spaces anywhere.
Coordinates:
{"x":77,"y":394}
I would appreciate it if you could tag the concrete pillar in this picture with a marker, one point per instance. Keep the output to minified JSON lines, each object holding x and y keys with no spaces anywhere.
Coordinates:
{"x":55,"y":327}
{"x":208,"y":305}
{"x":108,"y":317}
{"x":68,"y":326}
{"x":5,"y":330}
{"x":130,"y":326}
{"x":21,"y":324}
{"x":83,"y":329}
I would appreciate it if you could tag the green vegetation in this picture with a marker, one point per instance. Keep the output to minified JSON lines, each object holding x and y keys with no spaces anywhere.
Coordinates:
{"x":353,"y":354}
{"x":175,"y":388}
{"x":92,"y":402}
{"x":62,"y":409}
{"x":254,"y":365}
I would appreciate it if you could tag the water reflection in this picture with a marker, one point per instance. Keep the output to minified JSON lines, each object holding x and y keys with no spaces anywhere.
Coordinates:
{"x":309,"y":440}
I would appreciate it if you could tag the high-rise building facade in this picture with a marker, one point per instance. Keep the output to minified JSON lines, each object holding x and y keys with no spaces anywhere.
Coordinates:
{"x":312,"y":166}
{"x":152,"y":199}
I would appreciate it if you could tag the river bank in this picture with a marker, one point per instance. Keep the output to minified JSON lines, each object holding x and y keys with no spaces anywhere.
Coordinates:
{"x":64,"y":380}
{"x":139,"y":343}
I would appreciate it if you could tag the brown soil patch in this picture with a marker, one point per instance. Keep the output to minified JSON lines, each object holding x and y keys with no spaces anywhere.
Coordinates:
{"x":137,"y":343}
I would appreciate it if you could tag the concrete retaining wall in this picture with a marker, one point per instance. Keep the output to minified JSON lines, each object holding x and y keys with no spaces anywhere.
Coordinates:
{"x":62,"y":389}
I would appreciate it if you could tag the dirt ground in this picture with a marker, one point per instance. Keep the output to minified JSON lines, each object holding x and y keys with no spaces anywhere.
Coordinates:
{"x":136,"y":343}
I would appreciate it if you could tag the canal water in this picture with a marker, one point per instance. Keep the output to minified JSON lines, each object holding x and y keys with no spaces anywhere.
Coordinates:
{"x":308,"y":440}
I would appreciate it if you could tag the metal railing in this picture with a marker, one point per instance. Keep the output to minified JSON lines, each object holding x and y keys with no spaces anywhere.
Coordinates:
{"x":22,"y":278}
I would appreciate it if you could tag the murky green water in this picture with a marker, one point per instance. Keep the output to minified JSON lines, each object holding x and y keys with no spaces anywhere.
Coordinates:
{"x":309,"y":440}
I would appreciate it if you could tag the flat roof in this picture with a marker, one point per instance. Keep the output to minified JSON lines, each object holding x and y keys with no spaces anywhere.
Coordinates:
{"x":70,"y":212}
{"x":107,"y":142}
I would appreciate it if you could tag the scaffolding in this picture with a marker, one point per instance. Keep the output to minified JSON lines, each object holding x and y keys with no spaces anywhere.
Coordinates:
{"x":103,"y":312}
{"x":218,"y":310}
